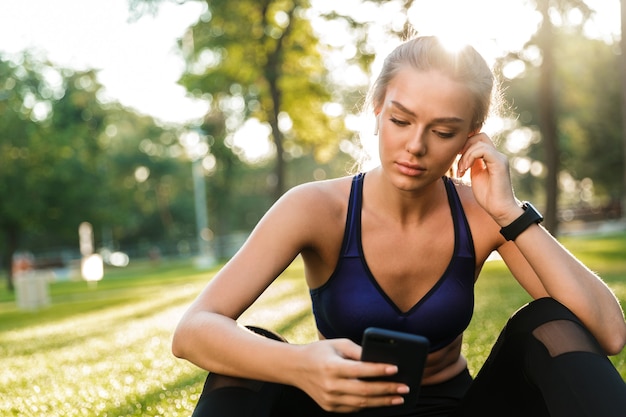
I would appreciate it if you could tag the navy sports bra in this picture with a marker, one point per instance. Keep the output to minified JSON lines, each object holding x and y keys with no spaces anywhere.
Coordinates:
{"x":351,"y":300}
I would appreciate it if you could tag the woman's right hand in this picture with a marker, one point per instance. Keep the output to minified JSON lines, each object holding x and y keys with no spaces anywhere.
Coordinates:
{"x":332,"y":373}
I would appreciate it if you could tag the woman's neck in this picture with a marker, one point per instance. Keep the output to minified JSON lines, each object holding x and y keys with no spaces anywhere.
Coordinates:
{"x":405,"y":207}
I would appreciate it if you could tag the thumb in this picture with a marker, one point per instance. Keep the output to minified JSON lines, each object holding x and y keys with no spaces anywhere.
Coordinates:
{"x":348,"y":349}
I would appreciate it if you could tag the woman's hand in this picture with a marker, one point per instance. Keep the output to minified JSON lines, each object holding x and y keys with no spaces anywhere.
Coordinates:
{"x":491,"y":181}
{"x":332,"y":375}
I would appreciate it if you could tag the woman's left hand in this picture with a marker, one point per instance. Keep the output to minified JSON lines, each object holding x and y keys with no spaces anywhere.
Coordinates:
{"x":491,"y":181}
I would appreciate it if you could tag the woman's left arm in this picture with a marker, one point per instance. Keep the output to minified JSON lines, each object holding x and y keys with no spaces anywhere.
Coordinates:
{"x":536,"y":259}
{"x":542,"y":265}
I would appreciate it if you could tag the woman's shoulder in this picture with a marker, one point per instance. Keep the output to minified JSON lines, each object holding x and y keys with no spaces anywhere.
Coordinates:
{"x":322,"y":193}
{"x":464,"y":190}
{"x":314,"y":203}
{"x":314,"y":212}
{"x":470,"y":205}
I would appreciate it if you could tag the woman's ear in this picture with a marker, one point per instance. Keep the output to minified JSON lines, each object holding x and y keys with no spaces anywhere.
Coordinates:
{"x":469,"y":135}
{"x":475,"y":130}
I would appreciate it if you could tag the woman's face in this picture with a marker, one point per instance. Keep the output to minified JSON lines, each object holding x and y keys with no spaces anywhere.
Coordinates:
{"x":424,"y":122}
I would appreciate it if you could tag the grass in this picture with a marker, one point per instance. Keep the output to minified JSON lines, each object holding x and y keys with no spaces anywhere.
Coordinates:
{"x":105,"y":351}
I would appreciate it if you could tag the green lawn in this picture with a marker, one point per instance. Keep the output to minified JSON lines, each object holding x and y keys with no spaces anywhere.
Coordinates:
{"x":104,"y":351}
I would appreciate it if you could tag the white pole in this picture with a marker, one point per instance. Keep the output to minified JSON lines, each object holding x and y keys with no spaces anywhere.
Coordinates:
{"x":205,"y":253}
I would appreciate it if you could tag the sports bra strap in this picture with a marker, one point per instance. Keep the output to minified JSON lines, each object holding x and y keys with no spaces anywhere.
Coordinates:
{"x":351,"y":238}
{"x":464,"y":245}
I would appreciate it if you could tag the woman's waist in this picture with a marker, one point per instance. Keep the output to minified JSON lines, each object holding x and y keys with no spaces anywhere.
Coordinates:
{"x":445,"y":363}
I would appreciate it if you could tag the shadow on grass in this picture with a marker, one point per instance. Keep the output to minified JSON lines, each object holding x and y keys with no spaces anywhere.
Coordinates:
{"x":294,"y":322}
{"x":88,"y":328}
{"x":75,"y":299}
{"x":179,"y":395}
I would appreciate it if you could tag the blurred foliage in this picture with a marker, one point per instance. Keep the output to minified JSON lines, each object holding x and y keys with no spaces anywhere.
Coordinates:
{"x":49,"y":152}
{"x":48,"y":142}
{"x":589,"y":122}
{"x":148,"y":182}
{"x":67,"y":157}
{"x":260,"y":59}
{"x":264,"y":60}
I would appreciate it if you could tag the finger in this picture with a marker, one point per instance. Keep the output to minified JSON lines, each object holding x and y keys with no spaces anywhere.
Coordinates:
{"x":484,"y":150}
{"x":470,"y":155}
{"x":375,"y":388}
{"x":374,"y":370}
{"x":347,"y":349}
{"x":479,"y":137}
{"x":356,"y":403}
{"x":373,"y":382}
{"x":366,"y":394}
{"x":471,"y":143}
{"x":356,"y":368}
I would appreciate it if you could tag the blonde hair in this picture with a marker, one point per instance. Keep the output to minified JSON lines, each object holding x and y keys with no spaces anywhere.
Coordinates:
{"x":425,"y":53}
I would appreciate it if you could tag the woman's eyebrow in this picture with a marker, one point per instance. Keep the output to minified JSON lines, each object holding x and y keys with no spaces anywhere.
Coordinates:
{"x":451,"y":119}
{"x":448,"y":120}
{"x":402,"y":108}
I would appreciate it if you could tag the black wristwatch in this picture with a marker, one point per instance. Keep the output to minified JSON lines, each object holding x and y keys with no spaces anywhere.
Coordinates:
{"x":530,"y":216}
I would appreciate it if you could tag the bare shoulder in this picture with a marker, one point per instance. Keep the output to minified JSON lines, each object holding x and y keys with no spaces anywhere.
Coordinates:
{"x":325,"y":196}
{"x":464,"y":189}
{"x":309,"y":209}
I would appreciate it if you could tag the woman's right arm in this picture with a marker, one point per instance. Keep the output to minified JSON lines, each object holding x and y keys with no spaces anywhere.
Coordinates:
{"x":209,"y":336}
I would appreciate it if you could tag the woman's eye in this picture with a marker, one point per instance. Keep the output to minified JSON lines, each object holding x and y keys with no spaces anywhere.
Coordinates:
{"x":444,"y":135}
{"x":398,"y":122}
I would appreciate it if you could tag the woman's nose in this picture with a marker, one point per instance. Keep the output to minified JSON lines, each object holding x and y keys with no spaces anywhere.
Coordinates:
{"x":416,"y":144}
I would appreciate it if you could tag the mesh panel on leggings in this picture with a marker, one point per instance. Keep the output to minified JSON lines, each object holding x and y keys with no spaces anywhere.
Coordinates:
{"x":564,"y":336}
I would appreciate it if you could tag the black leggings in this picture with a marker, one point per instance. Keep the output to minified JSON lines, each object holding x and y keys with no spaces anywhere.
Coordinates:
{"x":545,"y":363}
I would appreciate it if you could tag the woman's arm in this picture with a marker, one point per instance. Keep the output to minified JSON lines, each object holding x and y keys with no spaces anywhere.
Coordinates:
{"x":209,"y":336}
{"x":537,"y":260}
{"x":545,"y":268}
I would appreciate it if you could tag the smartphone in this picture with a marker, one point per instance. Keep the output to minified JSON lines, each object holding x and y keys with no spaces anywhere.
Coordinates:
{"x":405,"y":350}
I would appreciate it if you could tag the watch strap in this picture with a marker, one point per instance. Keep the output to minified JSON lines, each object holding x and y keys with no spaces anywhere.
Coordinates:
{"x":529,"y":217}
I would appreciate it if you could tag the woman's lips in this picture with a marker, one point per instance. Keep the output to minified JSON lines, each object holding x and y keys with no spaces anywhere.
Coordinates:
{"x":411,"y":169}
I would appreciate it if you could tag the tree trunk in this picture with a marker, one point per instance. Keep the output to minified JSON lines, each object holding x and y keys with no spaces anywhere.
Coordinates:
{"x":547,"y":117}
{"x":623,"y":66}
{"x":11,"y":246}
{"x":272,"y":72}
{"x":279,"y":169}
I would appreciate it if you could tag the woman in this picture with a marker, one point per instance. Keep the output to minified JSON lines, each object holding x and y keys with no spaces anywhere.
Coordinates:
{"x":400,"y":247}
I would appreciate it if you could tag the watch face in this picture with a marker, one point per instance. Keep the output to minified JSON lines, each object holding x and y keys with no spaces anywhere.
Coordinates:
{"x":529,"y":217}
{"x":529,"y":207}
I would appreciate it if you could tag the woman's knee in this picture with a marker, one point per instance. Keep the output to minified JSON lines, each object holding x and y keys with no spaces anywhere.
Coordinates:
{"x":555,"y":326}
{"x":538,"y":312}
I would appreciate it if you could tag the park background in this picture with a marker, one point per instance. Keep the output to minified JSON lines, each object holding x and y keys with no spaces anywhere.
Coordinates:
{"x":172,"y":175}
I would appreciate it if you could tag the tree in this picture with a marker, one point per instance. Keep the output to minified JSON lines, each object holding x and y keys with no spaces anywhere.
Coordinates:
{"x":590,"y":115}
{"x":148,"y":182}
{"x":51,"y":120}
{"x":544,"y":41}
{"x":623,"y":90}
{"x":260,"y":59}
{"x":264,"y":60}
{"x":588,"y":122}
{"x":548,"y":127}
